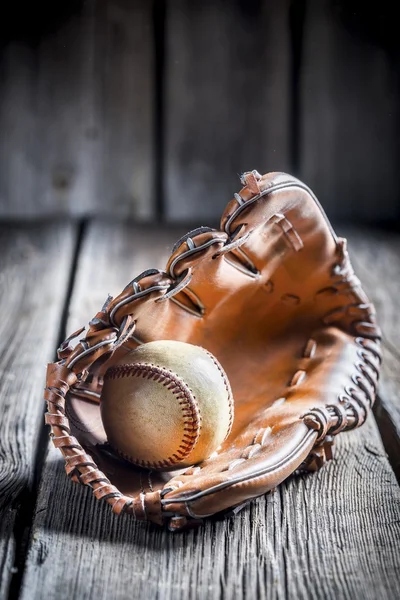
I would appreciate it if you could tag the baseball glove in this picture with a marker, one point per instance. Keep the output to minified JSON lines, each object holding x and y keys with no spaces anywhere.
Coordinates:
{"x":273,"y":296}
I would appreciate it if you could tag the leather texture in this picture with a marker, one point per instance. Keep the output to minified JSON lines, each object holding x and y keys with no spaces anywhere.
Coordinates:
{"x":273,"y":296}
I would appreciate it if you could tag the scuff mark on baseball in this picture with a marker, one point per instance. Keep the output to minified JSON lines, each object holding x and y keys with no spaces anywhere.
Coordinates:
{"x":166,"y":405}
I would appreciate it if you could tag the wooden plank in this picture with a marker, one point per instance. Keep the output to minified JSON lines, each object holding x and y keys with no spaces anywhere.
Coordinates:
{"x":124,"y":74}
{"x":329,"y":535}
{"x":18,"y":132}
{"x":35,"y":263}
{"x":77,"y":115}
{"x":349,"y":147}
{"x":226,"y":100}
{"x":376,"y":258}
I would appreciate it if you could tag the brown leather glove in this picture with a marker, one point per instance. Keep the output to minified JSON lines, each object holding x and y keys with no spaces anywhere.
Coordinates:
{"x":273,"y":296}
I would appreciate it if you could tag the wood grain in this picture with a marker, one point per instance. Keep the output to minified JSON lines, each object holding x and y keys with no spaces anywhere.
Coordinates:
{"x":35,"y":263}
{"x":76,"y":114}
{"x":333,"y":534}
{"x":349,"y":147}
{"x":124,"y":74}
{"x":227,"y":76}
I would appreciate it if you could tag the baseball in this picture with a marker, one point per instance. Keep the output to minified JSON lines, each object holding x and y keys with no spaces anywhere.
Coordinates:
{"x":166,"y":405}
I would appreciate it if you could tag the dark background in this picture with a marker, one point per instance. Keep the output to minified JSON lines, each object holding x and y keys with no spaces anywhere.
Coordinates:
{"x":150,"y":109}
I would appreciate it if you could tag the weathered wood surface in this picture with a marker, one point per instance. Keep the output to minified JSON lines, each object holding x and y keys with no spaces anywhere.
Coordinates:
{"x":376,"y":258}
{"x":227,"y":100}
{"x":105,"y":106}
{"x":349,"y":129}
{"x":76,"y":113}
{"x":333,"y":534}
{"x":35,"y":263}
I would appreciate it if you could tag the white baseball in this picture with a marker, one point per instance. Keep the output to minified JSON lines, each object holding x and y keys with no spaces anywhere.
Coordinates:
{"x":166,"y":405}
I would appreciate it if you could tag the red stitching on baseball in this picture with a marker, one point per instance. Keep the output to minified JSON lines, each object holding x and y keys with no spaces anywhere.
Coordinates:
{"x":187,"y":401}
